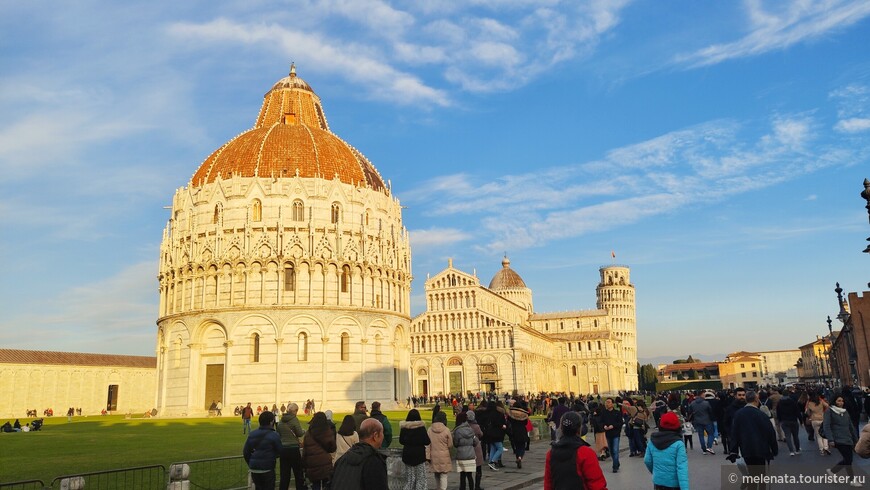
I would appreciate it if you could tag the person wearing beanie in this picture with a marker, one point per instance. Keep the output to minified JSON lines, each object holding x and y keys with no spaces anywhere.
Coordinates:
{"x":464,"y":440}
{"x":666,"y":456}
{"x":570,"y":462}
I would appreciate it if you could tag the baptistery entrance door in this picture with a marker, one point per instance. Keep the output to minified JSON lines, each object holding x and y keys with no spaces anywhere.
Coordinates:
{"x":214,"y":384}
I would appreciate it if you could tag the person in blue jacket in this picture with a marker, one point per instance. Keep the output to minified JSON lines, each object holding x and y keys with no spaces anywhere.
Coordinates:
{"x":666,"y":455}
{"x":261,"y":450}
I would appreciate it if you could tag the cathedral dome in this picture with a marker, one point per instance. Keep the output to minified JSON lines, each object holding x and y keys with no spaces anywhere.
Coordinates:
{"x":291,"y":137}
{"x":506,"y":278}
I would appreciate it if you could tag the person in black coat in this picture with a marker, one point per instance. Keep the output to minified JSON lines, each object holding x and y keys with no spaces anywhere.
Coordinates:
{"x":494,"y":433}
{"x":753,"y":436}
{"x":852,"y":407}
{"x":788,"y":415}
{"x":611,"y":421}
{"x":414,"y":439}
{"x":736,"y":404}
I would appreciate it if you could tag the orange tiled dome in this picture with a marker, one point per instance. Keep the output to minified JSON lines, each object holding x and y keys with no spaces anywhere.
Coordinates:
{"x":506,"y":278}
{"x":291,"y":136}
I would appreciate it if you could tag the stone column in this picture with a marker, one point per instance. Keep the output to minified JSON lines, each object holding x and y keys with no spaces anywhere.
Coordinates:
{"x":194,"y":378}
{"x":227,"y":373}
{"x":362,"y":367}
{"x":278,"y":395}
{"x":323,"y":378}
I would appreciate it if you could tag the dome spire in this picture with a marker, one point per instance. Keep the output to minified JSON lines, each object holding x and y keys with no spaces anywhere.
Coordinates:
{"x":292,"y":69}
{"x":505,"y":262}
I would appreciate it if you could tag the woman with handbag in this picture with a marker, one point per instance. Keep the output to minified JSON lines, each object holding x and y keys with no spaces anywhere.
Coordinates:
{"x":816,"y":407}
{"x":838,"y":431}
{"x":640,"y":424}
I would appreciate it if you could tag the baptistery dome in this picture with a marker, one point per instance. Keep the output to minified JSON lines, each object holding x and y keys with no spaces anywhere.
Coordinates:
{"x":291,"y":137}
{"x":285,"y":271}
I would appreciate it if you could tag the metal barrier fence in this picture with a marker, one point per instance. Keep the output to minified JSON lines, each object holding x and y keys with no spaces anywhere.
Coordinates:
{"x":23,"y":485}
{"x":137,"y":478}
{"x":228,"y":473}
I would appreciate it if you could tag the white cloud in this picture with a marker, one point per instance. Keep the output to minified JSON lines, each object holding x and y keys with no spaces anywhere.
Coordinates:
{"x":853,"y":125}
{"x":360,"y":64}
{"x":770,"y":29}
{"x":377,"y":16}
{"x":699,"y":164}
{"x":436,"y":237}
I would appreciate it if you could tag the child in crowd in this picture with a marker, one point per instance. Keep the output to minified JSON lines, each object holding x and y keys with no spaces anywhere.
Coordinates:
{"x":688,"y":432}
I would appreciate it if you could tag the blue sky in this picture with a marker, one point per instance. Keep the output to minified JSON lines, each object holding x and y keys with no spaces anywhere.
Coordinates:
{"x":717,"y":147}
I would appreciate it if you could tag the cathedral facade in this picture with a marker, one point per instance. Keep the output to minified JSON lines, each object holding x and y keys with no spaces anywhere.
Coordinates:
{"x":285,"y":271}
{"x":473,"y":338}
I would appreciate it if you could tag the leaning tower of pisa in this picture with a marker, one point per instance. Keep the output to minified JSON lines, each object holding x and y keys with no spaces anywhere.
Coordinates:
{"x":615,"y":293}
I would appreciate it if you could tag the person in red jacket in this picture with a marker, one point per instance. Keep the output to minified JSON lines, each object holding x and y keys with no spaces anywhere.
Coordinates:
{"x":571,"y":463}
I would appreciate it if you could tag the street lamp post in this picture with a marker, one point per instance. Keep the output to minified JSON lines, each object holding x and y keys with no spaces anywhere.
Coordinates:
{"x":866,"y":195}
{"x":832,"y":356}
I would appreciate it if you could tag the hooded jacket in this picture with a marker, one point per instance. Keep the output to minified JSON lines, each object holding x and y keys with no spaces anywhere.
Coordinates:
{"x":362,"y":467}
{"x":440,"y":441}
{"x":414,"y":439}
{"x":518,"y":416}
{"x":667,"y":460}
{"x":317,"y":449}
{"x":571,"y":456}
{"x":262,"y":448}
{"x":464,"y":441}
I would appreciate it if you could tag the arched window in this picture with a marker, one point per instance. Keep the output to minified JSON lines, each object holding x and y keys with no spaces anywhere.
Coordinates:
{"x":336,"y":213}
{"x":255,"y":348}
{"x":345,"y":279}
{"x":257,"y":211}
{"x":289,"y":278}
{"x":368,"y":216}
{"x":303,"y":347}
{"x":345,"y":347}
{"x":574,"y":370}
{"x":217,"y":213}
{"x":298,"y":210}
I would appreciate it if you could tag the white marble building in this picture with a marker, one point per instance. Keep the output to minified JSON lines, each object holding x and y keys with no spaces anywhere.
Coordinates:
{"x":476,"y":338}
{"x":285,"y":271}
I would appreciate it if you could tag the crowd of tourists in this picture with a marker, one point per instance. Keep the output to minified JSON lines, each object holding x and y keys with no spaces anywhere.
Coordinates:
{"x":745,"y":426}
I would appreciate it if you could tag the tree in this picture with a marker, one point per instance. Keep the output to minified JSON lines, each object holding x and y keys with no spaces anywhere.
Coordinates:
{"x":646,"y":376}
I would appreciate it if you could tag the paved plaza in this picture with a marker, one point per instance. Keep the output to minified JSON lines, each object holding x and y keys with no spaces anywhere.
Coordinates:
{"x":705,"y":472}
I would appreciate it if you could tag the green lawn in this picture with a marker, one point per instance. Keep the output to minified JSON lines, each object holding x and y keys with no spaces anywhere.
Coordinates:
{"x":90,"y":444}
{"x":97,"y":443}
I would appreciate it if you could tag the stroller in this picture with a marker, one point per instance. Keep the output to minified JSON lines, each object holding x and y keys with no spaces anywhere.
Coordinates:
{"x":36,"y":425}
